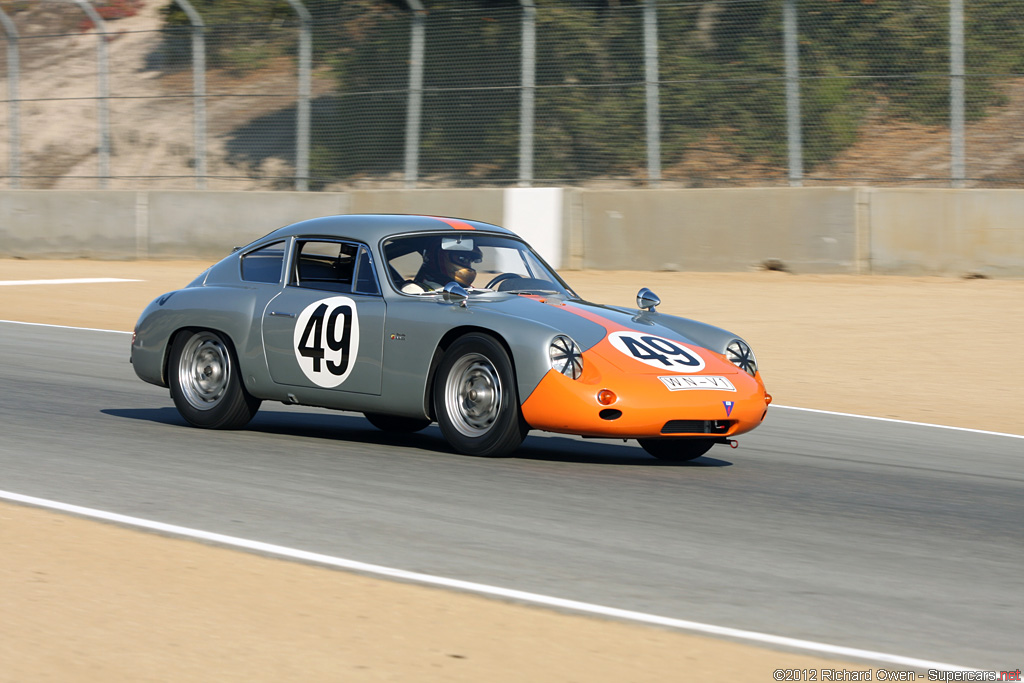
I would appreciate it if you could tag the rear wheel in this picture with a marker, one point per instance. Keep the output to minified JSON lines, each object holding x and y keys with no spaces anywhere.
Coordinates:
{"x":395,"y":423}
{"x":205,"y":384}
{"x":677,"y":450}
{"x":475,"y":398}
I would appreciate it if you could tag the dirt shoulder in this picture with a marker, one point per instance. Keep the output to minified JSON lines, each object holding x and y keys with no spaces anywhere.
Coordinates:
{"x":86,"y":601}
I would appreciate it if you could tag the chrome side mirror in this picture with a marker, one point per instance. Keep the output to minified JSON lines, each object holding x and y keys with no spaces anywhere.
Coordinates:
{"x":646,"y":300}
{"x":455,"y":293}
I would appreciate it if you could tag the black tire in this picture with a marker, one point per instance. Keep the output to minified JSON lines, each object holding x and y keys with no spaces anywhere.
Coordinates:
{"x":395,"y":423}
{"x":677,"y":450}
{"x":204,"y":380}
{"x":475,"y":398}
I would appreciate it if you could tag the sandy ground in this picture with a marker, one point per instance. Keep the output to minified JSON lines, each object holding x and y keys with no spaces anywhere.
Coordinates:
{"x":86,"y":601}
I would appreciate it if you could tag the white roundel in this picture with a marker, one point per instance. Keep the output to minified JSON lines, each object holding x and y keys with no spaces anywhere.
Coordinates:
{"x":326,"y":340}
{"x":658,"y":352}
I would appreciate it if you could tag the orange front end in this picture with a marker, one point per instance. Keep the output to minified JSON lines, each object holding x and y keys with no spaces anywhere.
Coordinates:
{"x":622,"y":399}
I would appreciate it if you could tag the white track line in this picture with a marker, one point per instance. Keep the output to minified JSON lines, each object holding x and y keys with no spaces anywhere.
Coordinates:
{"x":904,"y":422}
{"x":774,"y":405}
{"x":63,"y":327}
{"x":484,"y":589}
{"x":65,"y":281}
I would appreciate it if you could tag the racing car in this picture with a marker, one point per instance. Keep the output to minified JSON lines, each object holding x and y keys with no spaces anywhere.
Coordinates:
{"x":412,"y":320}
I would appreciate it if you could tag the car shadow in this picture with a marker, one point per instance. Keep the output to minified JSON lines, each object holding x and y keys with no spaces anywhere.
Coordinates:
{"x":355,"y":429}
{"x":333,"y":427}
{"x":563,"y":449}
{"x":167,"y":416}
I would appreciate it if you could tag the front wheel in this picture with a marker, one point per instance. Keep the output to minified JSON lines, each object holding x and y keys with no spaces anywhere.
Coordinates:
{"x":677,"y":450}
{"x":475,"y":398}
{"x":204,"y":382}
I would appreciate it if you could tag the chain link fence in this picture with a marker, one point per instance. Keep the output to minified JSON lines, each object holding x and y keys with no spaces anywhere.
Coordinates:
{"x":386,"y":94}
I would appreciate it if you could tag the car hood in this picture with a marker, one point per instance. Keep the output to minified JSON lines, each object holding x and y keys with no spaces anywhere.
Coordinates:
{"x":600,"y":330}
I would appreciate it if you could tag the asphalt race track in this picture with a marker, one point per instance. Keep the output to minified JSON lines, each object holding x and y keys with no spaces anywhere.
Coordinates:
{"x":890,"y":537}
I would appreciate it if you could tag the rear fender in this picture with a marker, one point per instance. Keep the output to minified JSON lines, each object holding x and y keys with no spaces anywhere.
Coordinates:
{"x":229,"y":311}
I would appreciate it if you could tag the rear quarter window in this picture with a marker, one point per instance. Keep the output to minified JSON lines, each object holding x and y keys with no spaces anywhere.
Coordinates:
{"x":265,"y":264}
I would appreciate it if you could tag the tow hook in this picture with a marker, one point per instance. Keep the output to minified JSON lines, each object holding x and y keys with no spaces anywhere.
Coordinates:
{"x":733,"y":443}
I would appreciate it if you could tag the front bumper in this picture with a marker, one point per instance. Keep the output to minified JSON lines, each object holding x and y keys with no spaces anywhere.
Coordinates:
{"x":644,"y":407}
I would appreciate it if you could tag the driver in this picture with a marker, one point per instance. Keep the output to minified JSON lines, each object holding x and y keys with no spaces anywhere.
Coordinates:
{"x":445,"y":262}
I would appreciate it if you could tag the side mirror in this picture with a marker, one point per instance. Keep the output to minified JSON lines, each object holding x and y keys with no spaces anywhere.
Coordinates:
{"x":646,"y":300}
{"x":455,"y":293}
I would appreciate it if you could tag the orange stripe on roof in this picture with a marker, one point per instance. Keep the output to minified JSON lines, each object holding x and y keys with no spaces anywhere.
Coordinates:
{"x":457,"y":224}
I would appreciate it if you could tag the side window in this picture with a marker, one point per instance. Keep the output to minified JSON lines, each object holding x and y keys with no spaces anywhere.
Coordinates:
{"x":264,"y":264}
{"x":325,"y":265}
{"x":366,"y":278}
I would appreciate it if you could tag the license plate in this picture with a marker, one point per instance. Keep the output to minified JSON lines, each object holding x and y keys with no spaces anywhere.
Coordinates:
{"x":679,"y":383}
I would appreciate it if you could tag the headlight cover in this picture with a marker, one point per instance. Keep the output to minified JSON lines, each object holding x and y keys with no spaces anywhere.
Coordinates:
{"x":566,"y":357}
{"x":740,"y":355}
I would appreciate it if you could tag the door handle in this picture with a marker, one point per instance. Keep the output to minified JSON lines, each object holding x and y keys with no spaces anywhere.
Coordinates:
{"x":282,"y":314}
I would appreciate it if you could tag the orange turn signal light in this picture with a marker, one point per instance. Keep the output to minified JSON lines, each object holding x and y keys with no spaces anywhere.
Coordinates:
{"x":606,"y":397}
{"x":767,"y":399}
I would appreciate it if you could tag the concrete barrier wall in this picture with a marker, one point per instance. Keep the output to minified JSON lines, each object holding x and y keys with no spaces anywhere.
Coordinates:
{"x":821,"y":230}
{"x":946,"y":232}
{"x":57,"y":224}
{"x":483,"y":205}
{"x":209,"y":224}
{"x":809,"y":230}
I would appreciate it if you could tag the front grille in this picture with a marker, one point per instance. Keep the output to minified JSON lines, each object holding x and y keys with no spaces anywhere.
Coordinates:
{"x":697,"y":426}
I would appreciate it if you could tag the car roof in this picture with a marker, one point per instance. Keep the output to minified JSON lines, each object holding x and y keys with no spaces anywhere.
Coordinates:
{"x":374,"y":227}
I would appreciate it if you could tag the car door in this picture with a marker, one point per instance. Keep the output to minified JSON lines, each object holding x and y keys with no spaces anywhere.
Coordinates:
{"x":325,"y":329}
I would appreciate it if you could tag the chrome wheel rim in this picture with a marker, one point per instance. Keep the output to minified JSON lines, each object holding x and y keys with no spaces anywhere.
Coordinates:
{"x":472,"y":395}
{"x":204,"y":371}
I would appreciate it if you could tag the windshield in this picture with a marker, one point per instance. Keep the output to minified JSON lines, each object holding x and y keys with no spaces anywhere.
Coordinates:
{"x":423,"y":264}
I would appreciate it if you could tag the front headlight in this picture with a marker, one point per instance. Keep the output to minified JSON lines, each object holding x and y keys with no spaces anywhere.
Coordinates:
{"x":566,"y":357}
{"x":740,"y":355}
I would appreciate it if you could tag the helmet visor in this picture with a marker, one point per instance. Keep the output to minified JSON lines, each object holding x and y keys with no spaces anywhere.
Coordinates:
{"x":465,"y":259}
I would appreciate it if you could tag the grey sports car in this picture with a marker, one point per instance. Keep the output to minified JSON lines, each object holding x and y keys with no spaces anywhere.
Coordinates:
{"x":416,"y":319}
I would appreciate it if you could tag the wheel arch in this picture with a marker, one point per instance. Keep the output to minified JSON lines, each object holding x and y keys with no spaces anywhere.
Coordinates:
{"x":206,"y":383}
{"x":228,"y":311}
{"x":445,"y":343}
{"x":173,"y":336}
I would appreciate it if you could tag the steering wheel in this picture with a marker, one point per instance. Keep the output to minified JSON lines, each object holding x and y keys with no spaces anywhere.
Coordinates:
{"x":502,"y":278}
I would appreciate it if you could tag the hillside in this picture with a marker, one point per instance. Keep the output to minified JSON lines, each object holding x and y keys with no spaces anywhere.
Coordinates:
{"x":250,"y":140}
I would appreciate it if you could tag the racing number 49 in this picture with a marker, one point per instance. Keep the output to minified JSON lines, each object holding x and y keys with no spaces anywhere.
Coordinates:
{"x":314,"y":333}
{"x":648,"y":348}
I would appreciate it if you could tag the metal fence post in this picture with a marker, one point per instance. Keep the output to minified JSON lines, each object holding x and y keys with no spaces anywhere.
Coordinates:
{"x":302,"y":111}
{"x":198,"y":90}
{"x":103,"y":109}
{"x":14,"y":151}
{"x":793,"y":126}
{"x":526,"y":96}
{"x":958,"y":171}
{"x":414,"y":111}
{"x":653,"y":109}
